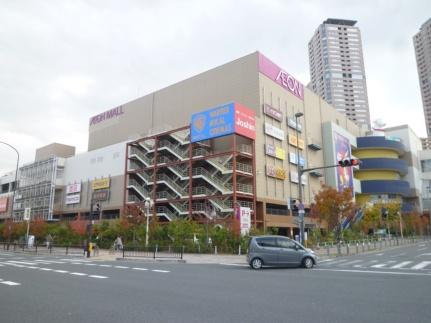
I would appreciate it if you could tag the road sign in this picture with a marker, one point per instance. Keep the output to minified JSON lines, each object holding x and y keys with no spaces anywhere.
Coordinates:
{"x":27,"y":214}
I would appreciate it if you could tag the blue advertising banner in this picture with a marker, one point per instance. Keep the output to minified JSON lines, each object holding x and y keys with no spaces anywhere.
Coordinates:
{"x":213,"y":123}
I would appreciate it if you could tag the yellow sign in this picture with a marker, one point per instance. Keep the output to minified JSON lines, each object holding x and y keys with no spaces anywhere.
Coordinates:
{"x":100,"y":183}
{"x":276,"y":172}
{"x":297,"y":142}
{"x":293,"y":140}
{"x":280,"y":153}
{"x":300,"y":143}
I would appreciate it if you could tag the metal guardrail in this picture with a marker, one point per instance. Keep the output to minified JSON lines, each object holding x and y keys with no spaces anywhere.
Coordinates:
{"x":154,"y":252}
{"x":359,"y":246}
{"x":39,"y":249}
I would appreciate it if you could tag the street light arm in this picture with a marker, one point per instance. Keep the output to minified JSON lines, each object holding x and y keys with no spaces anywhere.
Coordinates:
{"x":302,"y":171}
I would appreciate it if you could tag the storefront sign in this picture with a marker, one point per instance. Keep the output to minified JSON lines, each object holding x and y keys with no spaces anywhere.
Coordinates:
{"x":73,"y":199}
{"x":274,"y":131}
{"x":294,"y":157}
{"x":100,"y":195}
{"x":276,"y":152}
{"x":281,"y":77}
{"x":245,"y":220}
{"x":294,"y":178}
{"x":276,"y":172}
{"x":273,"y":113}
{"x":222,"y":121}
{"x":293,"y":140}
{"x":3,"y":204}
{"x":100,"y":183}
{"x":292,"y":124}
{"x":297,"y":142}
{"x":113,"y":113}
{"x":73,"y":188}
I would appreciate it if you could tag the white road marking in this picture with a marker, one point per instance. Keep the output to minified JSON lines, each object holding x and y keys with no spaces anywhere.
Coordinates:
{"x":422,"y":265}
{"x":77,"y":263}
{"x":51,"y":261}
{"x":61,"y":271}
{"x":422,"y":245}
{"x":380,"y":254}
{"x":46,"y":269}
{"x":90,"y":264}
{"x":105,"y":265}
{"x":97,"y":276}
{"x":161,"y":271}
{"x":379,"y":265}
{"x":399,"y":255}
{"x":326,"y":260}
{"x":143,"y":269}
{"x":78,"y":274}
{"x":374,"y":272}
{"x":7,"y":282}
{"x":401,"y":264}
{"x":22,"y":262}
{"x":421,"y":249}
{"x":32,"y":267}
{"x":351,"y":262}
{"x":424,"y":254}
{"x":122,"y":267}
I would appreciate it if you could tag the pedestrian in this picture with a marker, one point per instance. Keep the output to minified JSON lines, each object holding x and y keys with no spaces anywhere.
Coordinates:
{"x":119,"y":243}
{"x":49,"y":241}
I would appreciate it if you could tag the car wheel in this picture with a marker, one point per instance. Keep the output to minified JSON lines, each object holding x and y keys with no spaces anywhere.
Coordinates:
{"x":256,"y":263}
{"x":308,"y":263}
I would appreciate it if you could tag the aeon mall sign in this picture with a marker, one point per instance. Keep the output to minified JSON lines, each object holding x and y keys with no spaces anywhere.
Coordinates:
{"x":281,"y":77}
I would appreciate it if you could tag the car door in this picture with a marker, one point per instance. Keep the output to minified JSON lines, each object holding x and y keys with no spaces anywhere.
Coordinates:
{"x":288,"y":253}
{"x":268,"y":250}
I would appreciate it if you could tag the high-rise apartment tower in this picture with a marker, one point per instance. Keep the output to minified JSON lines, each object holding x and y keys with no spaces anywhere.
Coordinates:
{"x":337,"y":68}
{"x":422,"y":43}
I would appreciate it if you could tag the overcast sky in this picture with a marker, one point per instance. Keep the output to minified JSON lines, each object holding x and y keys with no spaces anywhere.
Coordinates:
{"x":62,"y":62}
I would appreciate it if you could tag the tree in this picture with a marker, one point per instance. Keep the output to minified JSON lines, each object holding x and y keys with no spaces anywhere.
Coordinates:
{"x":38,"y":228}
{"x":333,"y":207}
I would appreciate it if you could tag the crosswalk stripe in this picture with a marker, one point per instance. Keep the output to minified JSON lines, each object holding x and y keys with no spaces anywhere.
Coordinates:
{"x":143,"y":269}
{"x":97,"y":276}
{"x":401,"y":264}
{"x":122,"y":267}
{"x":7,"y":282}
{"x":379,"y":265}
{"x":160,"y":271}
{"x":421,"y":265}
{"x":78,"y":274}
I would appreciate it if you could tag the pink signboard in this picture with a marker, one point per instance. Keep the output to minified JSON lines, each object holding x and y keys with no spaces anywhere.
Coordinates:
{"x":3,"y":204}
{"x":273,"y":113}
{"x":245,"y":121}
{"x":281,"y":77}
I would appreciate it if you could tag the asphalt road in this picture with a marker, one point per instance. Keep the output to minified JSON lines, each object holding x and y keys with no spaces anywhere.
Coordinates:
{"x":348,"y":289}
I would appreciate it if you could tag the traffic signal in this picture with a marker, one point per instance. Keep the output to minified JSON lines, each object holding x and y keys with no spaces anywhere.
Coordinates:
{"x":349,"y":162}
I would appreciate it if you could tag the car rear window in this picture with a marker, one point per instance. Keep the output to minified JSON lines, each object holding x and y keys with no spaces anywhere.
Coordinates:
{"x":266,"y":242}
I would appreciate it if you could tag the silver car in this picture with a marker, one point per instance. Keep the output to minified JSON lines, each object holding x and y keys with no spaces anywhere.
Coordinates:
{"x":278,"y":251}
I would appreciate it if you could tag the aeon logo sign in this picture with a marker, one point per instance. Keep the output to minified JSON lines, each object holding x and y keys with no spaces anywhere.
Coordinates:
{"x":290,"y":83}
{"x":281,"y":77}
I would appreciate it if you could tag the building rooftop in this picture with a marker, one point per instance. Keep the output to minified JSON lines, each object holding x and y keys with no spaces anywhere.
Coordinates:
{"x":335,"y":21}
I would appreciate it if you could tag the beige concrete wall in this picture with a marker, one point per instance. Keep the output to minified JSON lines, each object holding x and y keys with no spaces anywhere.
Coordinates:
{"x":316,"y":112}
{"x":54,"y":149}
{"x":115,"y":201}
{"x":172,"y":107}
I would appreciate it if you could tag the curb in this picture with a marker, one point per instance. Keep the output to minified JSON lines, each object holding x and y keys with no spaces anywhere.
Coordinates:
{"x":152,"y":260}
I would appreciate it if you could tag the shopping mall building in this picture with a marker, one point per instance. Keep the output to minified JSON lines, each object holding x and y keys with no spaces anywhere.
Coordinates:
{"x":229,"y":138}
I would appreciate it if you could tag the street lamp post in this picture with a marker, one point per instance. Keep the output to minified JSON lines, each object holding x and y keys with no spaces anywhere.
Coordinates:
{"x":147,"y":204}
{"x":300,"y":208}
{"x":16,"y":185}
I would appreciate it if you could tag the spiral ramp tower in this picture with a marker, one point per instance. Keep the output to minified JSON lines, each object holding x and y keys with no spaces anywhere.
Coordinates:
{"x":381,"y":170}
